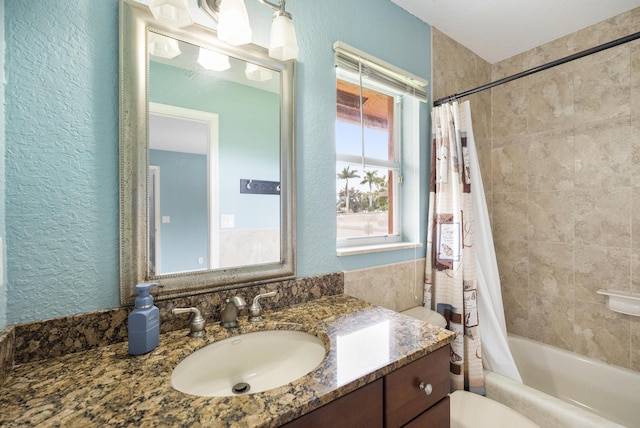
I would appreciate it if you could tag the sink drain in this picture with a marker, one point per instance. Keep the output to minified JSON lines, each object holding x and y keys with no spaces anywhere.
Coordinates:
{"x":241,"y":388}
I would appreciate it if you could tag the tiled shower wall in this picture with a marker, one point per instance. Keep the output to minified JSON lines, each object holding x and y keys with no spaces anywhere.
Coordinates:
{"x":562,"y":173}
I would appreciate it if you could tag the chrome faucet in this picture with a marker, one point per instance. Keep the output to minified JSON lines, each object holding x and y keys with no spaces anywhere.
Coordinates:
{"x":230,"y":312}
{"x":255,"y":310}
{"x":197,"y":321}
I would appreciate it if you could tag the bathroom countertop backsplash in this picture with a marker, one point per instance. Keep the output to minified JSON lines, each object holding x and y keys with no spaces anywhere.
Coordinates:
{"x":76,"y":333}
{"x":106,"y":386}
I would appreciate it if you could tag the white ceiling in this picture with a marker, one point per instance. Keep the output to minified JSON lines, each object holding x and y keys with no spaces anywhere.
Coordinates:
{"x":498,"y":29}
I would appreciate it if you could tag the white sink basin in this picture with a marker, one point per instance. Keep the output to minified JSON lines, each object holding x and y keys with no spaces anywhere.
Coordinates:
{"x":249,"y":363}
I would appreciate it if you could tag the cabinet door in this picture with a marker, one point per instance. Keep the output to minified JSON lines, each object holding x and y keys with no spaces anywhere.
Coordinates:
{"x":404,"y":400}
{"x":438,"y":416}
{"x":360,"y":408}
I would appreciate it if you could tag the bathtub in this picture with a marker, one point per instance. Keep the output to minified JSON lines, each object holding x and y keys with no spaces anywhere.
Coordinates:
{"x":563,"y":389}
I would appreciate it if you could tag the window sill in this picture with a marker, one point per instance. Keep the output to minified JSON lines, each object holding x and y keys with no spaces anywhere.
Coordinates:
{"x":366,"y":249}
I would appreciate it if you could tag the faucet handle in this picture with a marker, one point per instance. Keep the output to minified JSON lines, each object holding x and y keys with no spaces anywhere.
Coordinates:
{"x":197,"y":320}
{"x":255,"y":310}
{"x":238,"y":301}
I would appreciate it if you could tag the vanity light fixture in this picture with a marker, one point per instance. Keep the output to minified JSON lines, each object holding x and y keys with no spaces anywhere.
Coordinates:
{"x":175,"y":13}
{"x":233,"y":26}
{"x":233,"y":23}
{"x":283,"y":44}
{"x":212,"y":60}
{"x":232,"y":18}
{"x":164,"y":47}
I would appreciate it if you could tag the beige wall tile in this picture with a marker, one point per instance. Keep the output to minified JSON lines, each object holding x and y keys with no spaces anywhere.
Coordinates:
{"x":397,"y":286}
{"x":551,"y":320}
{"x":455,"y":68}
{"x":481,"y":114}
{"x":602,"y":217}
{"x":483,"y":146}
{"x":603,"y":154}
{"x":513,"y":263}
{"x":634,"y":145}
{"x":517,"y":318}
{"x":551,"y":161}
{"x":602,"y":334}
{"x":550,"y":102}
{"x":602,"y":85}
{"x":600,"y":267}
{"x":509,"y":110}
{"x":551,"y":269}
{"x":535,"y":57}
{"x":551,"y":216}
{"x":635,"y":218}
{"x":635,"y":269}
{"x":635,"y":81}
{"x":608,"y":30}
{"x":635,"y":240}
{"x":510,"y":217}
{"x":635,"y":343}
{"x":510,"y":165}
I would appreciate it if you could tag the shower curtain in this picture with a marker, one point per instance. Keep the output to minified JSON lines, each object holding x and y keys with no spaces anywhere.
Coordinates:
{"x":461,"y":278}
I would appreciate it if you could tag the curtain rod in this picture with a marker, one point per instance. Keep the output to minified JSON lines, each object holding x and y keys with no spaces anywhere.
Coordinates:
{"x":543,"y":67}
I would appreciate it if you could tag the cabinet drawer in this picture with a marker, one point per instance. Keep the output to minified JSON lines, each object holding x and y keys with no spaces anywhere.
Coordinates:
{"x":439,"y":416}
{"x":360,"y":408}
{"x":404,"y":400}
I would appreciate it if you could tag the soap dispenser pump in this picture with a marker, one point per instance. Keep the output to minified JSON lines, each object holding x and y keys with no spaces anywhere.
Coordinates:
{"x":144,"y":322}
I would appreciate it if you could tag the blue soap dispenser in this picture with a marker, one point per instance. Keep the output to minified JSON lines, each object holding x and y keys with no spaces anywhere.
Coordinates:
{"x":144,"y":322}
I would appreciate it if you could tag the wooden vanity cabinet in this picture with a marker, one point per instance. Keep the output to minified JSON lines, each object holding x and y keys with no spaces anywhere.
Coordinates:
{"x":393,"y":401}
{"x":361,"y":408}
{"x":437,"y":416}
{"x":404,"y":399}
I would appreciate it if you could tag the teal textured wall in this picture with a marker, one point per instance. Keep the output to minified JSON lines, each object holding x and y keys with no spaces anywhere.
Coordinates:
{"x":61,"y":141}
{"x":3,"y":267}
{"x":61,"y":137}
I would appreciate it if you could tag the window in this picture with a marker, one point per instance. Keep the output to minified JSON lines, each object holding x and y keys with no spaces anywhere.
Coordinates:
{"x":370,"y":103}
{"x":368,"y":162}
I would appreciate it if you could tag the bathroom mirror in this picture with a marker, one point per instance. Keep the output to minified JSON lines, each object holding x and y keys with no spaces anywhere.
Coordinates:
{"x":206,"y":160}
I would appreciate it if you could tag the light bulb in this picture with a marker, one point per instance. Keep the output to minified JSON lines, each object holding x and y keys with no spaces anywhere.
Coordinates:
{"x":283,"y":44}
{"x":233,"y":23}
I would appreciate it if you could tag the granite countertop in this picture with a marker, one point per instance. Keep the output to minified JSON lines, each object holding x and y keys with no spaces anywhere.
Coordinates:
{"x":107,"y":386}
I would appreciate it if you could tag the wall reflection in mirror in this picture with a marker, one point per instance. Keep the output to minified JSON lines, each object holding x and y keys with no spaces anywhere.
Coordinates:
{"x":214,"y":120}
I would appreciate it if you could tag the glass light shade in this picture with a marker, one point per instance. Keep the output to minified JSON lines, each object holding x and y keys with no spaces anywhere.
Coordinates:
{"x":174,"y":13}
{"x":162,"y":46}
{"x":256,"y":73}
{"x":233,"y":23}
{"x":283,"y":44}
{"x":212,"y":60}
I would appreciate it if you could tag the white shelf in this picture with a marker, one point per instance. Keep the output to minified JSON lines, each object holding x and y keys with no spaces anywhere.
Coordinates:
{"x":622,"y":301}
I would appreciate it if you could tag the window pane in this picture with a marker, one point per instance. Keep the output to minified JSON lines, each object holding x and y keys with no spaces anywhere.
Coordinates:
{"x":362,"y":201}
{"x":378,"y":122}
{"x":349,"y":141}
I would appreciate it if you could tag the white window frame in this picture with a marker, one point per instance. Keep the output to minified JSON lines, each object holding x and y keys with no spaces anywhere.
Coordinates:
{"x":416,"y":88}
{"x":364,"y":161}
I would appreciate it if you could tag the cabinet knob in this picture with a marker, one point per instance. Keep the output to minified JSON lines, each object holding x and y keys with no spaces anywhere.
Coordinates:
{"x":426,"y":387}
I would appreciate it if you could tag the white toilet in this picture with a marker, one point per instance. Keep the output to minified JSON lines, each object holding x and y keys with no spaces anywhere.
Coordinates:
{"x":469,"y":410}
{"x":427,"y":315}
